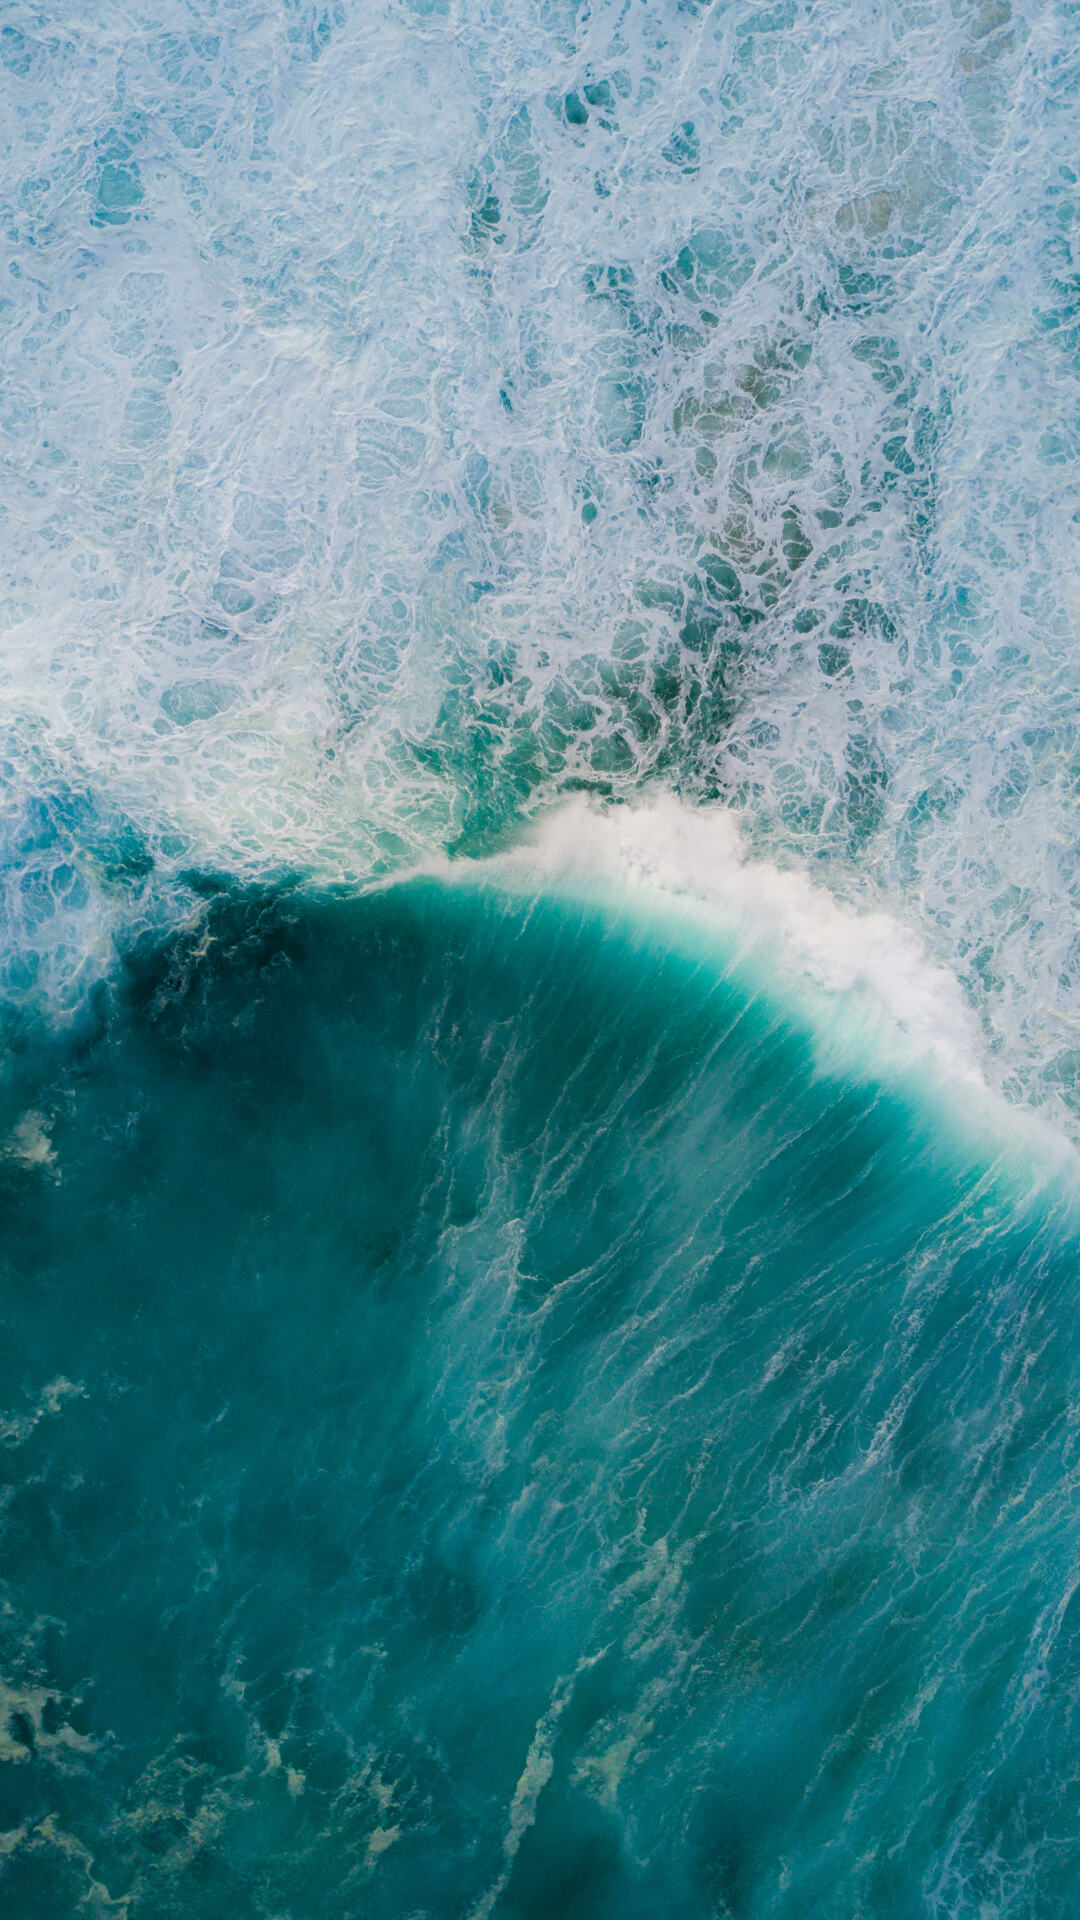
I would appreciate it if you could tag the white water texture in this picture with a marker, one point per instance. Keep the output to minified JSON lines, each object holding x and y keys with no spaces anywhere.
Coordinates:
{"x":411,"y":411}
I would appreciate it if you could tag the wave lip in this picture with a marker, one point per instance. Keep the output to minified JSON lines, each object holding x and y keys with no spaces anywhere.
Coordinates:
{"x":875,"y":1000}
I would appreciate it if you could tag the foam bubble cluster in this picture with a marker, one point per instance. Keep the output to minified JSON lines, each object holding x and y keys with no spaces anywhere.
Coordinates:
{"x":414,"y":411}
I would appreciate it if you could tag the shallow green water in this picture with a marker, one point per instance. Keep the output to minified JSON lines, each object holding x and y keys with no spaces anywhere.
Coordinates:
{"x":492,"y":1426}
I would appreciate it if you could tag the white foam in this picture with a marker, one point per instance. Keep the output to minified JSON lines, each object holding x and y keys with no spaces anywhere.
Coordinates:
{"x":698,"y":858}
{"x":16,"y":1428}
{"x":874,"y":998}
{"x":404,"y":444}
{"x":29,"y":1143}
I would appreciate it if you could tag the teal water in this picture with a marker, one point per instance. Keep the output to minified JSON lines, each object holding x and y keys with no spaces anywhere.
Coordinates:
{"x":539,"y":971}
{"x":494,"y":1426}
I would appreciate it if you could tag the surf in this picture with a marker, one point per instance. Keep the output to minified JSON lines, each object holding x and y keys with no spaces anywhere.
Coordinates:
{"x":567,"y":1440}
{"x":538,"y":979}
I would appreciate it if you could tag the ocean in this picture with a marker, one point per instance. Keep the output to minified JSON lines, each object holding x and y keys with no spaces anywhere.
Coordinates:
{"x":539,"y":973}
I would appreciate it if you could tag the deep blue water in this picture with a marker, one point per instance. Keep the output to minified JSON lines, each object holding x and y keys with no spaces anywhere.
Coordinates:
{"x":497,"y":1427}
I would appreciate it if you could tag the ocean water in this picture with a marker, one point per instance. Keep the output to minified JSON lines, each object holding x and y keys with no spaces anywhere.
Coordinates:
{"x":520,"y":1432}
{"x":539,"y":981}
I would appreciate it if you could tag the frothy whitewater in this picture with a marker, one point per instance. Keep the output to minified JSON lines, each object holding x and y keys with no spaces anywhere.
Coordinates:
{"x":414,"y":411}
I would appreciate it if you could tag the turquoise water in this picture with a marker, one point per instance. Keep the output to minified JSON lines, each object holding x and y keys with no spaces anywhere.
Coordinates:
{"x":539,"y":974}
{"x":514,"y":1434}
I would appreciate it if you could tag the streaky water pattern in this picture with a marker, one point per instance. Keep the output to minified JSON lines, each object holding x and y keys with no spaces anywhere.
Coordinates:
{"x":417,"y":406}
{"x":538,"y":842}
{"x":515,"y":1434}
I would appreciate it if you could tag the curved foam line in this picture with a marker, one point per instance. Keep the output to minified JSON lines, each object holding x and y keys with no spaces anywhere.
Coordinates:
{"x":875,"y":1001}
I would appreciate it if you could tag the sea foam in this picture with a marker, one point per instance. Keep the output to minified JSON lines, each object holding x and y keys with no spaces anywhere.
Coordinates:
{"x":415,"y":411}
{"x":875,"y":999}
